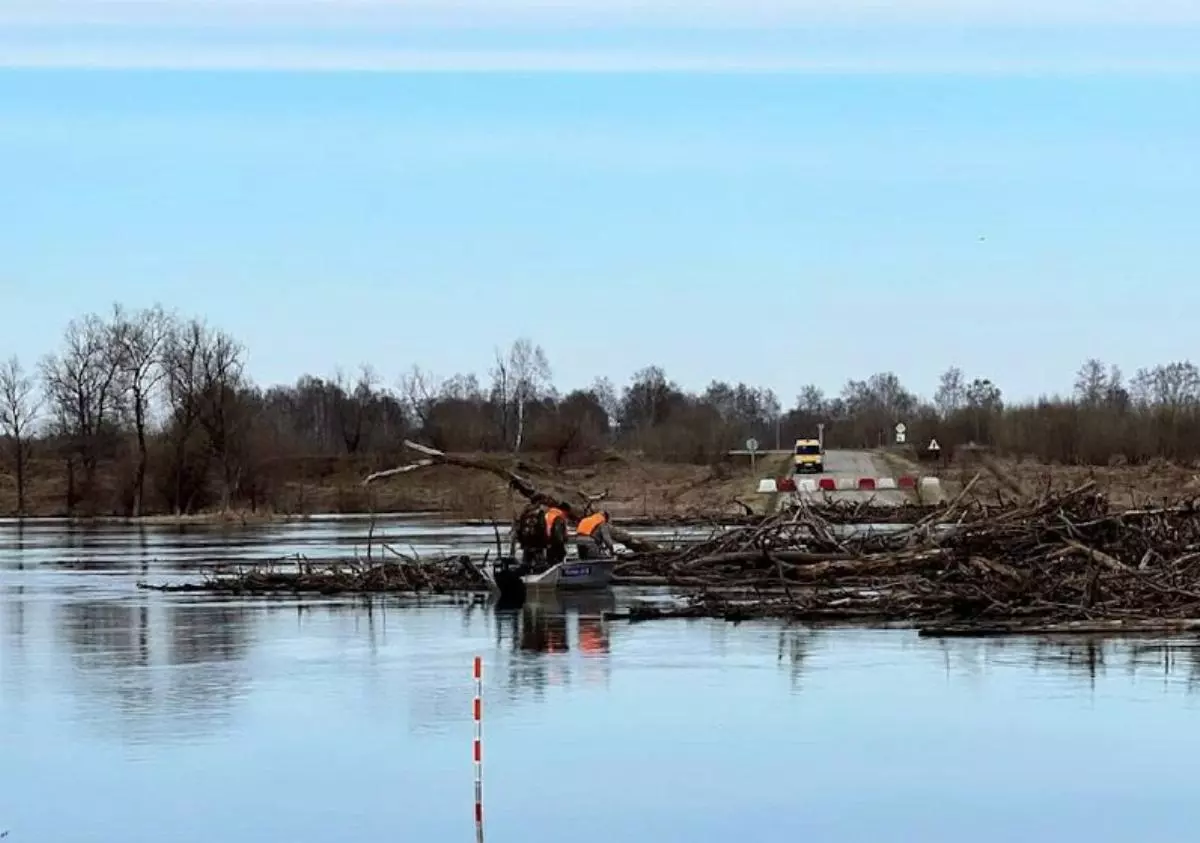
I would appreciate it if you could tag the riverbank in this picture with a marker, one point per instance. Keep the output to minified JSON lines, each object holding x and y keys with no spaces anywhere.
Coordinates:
{"x":999,"y":477}
{"x":636,"y":489}
{"x":304,"y":487}
{"x":1124,"y":485}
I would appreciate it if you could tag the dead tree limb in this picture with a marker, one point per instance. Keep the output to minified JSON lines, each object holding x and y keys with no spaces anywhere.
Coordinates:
{"x":392,"y":472}
{"x":519,"y":484}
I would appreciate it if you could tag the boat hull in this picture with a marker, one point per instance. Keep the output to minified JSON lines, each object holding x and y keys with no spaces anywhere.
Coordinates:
{"x":573,"y":575}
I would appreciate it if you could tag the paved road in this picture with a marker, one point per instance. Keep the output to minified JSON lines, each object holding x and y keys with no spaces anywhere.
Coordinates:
{"x":851,"y":465}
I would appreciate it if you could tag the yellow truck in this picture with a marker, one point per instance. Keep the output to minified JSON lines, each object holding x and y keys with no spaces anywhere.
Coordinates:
{"x":809,"y":457}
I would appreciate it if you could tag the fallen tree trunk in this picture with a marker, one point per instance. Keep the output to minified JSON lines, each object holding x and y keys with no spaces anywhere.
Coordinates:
{"x":522,"y":485}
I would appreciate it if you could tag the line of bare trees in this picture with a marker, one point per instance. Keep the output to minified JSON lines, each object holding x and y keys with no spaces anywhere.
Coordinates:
{"x":145,"y":411}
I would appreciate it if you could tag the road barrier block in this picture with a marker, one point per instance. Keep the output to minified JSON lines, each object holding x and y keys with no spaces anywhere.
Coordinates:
{"x":866,"y":483}
{"x":846,"y":484}
{"x":768,"y":486}
{"x":827,"y":484}
{"x":885,"y":483}
{"x":807,"y":485}
{"x":907,"y":482}
{"x":931,"y":487}
{"x":785,"y":484}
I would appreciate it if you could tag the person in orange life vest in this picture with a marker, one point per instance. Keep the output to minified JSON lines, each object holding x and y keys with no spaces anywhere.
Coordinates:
{"x":556,"y":535}
{"x":593,"y":537}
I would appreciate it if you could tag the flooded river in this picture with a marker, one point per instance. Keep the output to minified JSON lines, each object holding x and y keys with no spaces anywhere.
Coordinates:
{"x":139,"y":717}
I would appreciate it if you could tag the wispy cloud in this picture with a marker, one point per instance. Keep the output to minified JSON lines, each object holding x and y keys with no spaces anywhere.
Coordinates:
{"x":606,"y":12}
{"x":334,"y":59}
{"x":726,"y":36}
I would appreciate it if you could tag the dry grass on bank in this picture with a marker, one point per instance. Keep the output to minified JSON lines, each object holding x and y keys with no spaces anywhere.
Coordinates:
{"x":327,"y":485}
{"x":1123,"y":485}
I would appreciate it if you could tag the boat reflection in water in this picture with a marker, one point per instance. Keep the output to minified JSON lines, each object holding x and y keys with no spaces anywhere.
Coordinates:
{"x":559,"y":638}
{"x":546,"y":623}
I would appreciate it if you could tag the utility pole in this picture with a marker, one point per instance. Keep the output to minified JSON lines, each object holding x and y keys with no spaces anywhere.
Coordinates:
{"x":821,"y":435}
{"x":778,"y":421}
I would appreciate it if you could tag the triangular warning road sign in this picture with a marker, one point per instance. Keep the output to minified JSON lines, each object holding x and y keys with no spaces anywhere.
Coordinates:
{"x":934,"y":446}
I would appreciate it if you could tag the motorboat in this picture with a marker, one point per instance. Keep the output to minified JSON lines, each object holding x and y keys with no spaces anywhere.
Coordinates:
{"x":572,"y":574}
{"x":513,"y":578}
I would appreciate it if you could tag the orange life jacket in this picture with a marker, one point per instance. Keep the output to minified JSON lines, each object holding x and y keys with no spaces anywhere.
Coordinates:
{"x":553,"y":514}
{"x":588,"y":525}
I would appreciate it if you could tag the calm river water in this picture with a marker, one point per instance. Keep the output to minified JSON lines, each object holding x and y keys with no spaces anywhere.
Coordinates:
{"x":132,"y":716}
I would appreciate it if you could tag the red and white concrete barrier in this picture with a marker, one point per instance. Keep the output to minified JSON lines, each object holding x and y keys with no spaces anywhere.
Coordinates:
{"x":929,"y":485}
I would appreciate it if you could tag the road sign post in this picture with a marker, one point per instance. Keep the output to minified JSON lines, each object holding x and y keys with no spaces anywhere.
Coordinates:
{"x":752,"y":447}
{"x":901,"y":430}
{"x":821,"y":436}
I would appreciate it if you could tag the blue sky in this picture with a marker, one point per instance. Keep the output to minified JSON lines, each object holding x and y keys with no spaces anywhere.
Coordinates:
{"x":773,"y":192}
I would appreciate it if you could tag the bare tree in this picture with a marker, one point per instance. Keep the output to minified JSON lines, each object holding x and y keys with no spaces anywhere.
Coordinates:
{"x":83,"y":390}
{"x":139,"y":340}
{"x":951,"y":392}
{"x":502,"y":394}
{"x":1091,"y":383}
{"x":1172,"y":386}
{"x":419,"y":390}
{"x":811,"y":400}
{"x":984,"y":402}
{"x":354,"y":403}
{"x":608,"y":399}
{"x":529,"y":379}
{"x":222,"y":410}
{"x":183,"y":370}
{"x":877,"y":403}
{"x":19,"y":409}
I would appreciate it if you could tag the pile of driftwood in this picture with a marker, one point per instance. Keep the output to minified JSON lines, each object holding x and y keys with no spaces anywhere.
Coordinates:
{"x":1062,"y":562}
{"x":297,"y":575}
{"x":834,"y":510}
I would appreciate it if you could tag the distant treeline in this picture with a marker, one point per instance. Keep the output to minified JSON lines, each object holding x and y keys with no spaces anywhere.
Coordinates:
{"x":164,"y":403}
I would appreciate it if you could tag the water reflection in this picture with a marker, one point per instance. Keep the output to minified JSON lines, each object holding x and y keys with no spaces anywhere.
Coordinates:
{"x":116,"y":546}
{"x":156,"y":670}
{"x":1083,"y":659}
{"x":796,"y":645}
{"x":552,"y":637}
{"x":255,"y":705}
{"x":543,"y":624}
{"x":143,"y":659}
{"x":13,"y":612}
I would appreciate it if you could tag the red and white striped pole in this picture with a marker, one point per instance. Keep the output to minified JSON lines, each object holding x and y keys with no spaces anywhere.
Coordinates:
{"x":478,"y":748}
